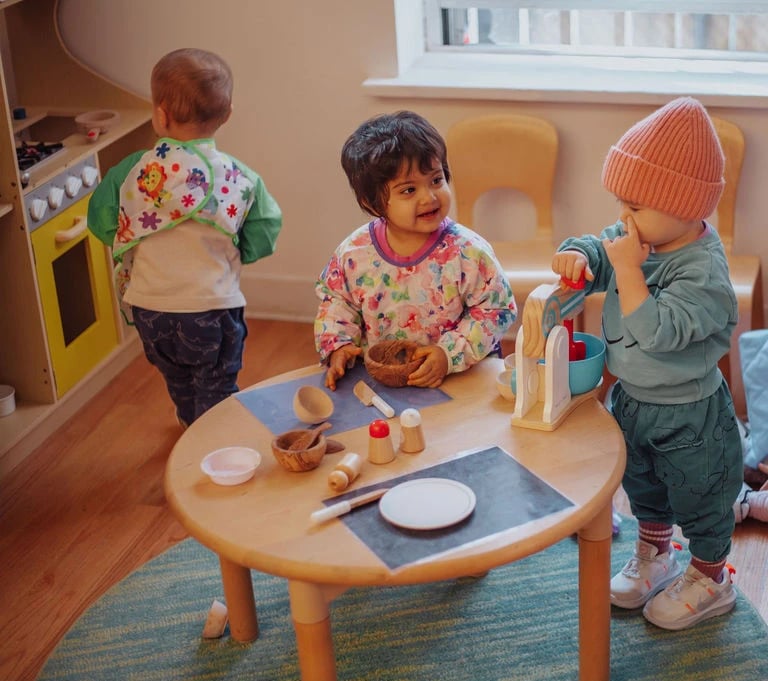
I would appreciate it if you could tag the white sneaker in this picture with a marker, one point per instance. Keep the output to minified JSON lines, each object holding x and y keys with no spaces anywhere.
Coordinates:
{"x":644,"y":575}
{"x":691,"y":599}
{"x":741,"y":506}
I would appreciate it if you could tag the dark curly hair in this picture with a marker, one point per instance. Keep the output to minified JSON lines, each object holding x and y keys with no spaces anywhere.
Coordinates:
{"x":374,"y":154}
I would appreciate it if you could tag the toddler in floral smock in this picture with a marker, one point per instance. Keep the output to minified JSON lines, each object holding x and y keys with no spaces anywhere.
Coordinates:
{"x":412,"y":273}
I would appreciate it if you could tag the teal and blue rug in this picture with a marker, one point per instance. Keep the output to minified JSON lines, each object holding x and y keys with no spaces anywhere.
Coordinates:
{"x":519,"y":623}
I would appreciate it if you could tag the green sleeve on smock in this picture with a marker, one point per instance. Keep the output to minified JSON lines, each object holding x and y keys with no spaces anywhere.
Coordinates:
{"x":258,"y":235}
{"x":104,"y":205}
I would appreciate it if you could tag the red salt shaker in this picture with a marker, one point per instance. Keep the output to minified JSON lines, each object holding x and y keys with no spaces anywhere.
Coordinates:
{"x":380,"y":447}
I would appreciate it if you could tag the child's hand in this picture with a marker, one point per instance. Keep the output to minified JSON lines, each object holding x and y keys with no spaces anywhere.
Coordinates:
{"x":627,"y":251}
{"x":571,"y":265}
{"x":432,"y":370}
{"x":337,"y":363}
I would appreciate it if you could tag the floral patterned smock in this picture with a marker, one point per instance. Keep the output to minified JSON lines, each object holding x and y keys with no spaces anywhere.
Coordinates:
{"x":452,"y":292}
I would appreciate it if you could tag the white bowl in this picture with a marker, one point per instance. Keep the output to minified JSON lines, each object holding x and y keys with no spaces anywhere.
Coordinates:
{"x":505,"y":384}
{"x":7,"y":400}
{"x":231,"y":465}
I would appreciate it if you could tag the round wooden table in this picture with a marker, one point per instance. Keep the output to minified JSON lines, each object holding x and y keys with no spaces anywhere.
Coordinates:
{"x":264,"y":525}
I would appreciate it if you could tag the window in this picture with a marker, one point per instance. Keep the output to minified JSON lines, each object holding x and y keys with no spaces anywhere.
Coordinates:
{"x":697,"y":29}
{"x":606,"y":51}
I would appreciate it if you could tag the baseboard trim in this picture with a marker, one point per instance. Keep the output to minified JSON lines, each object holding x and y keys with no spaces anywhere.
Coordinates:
{"x":285,"y":298}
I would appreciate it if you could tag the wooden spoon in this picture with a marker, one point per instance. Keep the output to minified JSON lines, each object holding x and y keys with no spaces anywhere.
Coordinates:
{"x":308,"y":437}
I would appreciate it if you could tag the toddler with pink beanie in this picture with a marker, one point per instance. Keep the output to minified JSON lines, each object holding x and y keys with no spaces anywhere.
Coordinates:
{"x":668,"y":316}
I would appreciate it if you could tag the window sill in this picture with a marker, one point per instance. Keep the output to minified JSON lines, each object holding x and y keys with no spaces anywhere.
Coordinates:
{"x":576,"y":79}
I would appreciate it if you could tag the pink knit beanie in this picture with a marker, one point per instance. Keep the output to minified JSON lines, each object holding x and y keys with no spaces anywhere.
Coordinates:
{"x":670,"y":161}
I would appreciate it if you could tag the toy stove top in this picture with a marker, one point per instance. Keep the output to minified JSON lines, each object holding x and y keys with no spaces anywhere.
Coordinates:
{"x":31,"y":153}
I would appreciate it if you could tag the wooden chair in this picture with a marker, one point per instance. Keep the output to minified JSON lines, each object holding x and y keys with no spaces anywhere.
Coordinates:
{"x":745,"y":270}
{"x":515,"y":152}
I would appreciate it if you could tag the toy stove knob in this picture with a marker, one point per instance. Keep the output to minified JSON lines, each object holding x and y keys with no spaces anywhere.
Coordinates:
{"x":89,"y":175}
{"x":55,"y":197}
{"x":37,"y":208}
{"x":72,"y":185}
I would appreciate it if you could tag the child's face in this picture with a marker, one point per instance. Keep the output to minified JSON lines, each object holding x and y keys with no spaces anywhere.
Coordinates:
{"x":660,"y":231}
{"x":418,"y":202}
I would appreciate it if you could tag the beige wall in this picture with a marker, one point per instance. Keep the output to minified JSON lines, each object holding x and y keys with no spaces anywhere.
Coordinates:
{"x":299,"y":67}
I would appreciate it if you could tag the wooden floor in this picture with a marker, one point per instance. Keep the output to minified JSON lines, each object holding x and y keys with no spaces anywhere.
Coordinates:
{"x":87,"y":508}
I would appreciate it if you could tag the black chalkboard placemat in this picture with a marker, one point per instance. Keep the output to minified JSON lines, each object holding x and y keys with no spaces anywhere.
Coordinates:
{"x":508,"y":495}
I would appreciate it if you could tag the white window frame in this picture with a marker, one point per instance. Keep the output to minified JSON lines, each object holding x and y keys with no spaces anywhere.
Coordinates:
{"x":469,"y":74}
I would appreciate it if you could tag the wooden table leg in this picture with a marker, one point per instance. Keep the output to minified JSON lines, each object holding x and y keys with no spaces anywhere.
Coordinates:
{"x":595,"y":598}
{"x":241,"y":604}
{"x":312,"y":623}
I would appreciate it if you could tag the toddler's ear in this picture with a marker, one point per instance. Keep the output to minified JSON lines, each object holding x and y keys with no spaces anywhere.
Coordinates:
{"x":162,"y":116}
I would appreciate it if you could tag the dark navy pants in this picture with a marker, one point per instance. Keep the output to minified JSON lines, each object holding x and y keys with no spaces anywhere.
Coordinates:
{"x":199,"y":354}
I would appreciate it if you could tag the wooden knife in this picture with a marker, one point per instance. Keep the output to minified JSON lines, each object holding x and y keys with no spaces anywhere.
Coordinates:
{"x":368,"y":397}
{"x":335,"y":510}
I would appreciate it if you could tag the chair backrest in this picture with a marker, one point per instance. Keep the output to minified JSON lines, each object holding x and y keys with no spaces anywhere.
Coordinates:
{"x":732,"y":140}
{"x":509,"y":150}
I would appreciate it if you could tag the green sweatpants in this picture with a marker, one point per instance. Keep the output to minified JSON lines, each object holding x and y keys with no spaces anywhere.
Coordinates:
{"x":684,"y":466}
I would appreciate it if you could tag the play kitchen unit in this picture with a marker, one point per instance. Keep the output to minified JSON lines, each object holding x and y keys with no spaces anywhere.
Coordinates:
{"x":61,"y":127}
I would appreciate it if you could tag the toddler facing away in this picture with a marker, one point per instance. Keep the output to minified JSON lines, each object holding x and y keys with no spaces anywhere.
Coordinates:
{"x":668,"y":317}
{"x":181,"y":219}
{"x":411,"y":273}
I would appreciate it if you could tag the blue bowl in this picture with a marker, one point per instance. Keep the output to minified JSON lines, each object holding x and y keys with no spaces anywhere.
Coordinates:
{"x":583,"y":374}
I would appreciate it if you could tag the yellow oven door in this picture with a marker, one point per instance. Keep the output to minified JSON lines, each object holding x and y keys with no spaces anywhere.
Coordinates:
{"x":75,"y":285}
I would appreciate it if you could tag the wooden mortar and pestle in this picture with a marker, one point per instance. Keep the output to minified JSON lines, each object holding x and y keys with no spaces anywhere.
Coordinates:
{"x":308,"y":437}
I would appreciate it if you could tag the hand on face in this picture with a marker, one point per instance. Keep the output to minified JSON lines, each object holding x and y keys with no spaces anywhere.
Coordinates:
{"x":627,"y":251}
{"x":432,"y":370}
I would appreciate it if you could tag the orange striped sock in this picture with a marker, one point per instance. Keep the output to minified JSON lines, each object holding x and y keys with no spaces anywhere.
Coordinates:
{"x":712,"y":570}
{"x":658,"y":534}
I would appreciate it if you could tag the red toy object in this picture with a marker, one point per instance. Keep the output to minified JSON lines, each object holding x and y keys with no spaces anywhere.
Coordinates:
{"x":578,"y":285}
{"x":380,"y":447}
{"x":378,"y":428}
{"x":576,"y":349}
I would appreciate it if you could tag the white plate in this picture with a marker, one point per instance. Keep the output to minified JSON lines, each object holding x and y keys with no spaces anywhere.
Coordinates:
{"x":427,"y":503}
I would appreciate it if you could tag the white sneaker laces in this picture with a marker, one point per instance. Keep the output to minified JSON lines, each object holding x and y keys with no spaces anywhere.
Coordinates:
{"x":632,"y":568}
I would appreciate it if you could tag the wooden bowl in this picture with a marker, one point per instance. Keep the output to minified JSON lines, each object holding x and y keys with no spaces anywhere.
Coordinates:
{"x":312,"y":404}
{"x":391,"y":362}
{"x":298,"y":460}
{"x":102,"y":120}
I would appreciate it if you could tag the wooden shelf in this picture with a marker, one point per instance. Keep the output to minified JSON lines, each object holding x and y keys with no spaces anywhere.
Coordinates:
{"x":5,"y":208}
{"x":77,"y":147}
{"x":32,"y":117}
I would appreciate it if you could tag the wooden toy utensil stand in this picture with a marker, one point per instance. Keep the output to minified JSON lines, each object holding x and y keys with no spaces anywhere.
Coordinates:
{"x":543,"y":396}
